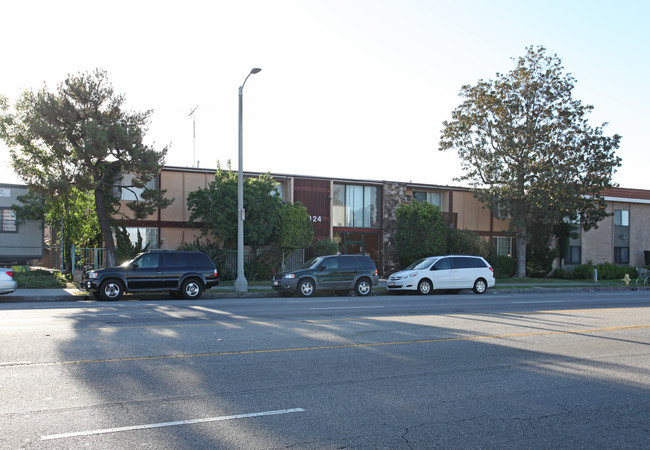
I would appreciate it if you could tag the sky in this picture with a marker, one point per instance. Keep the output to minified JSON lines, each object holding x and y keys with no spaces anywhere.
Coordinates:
{"x":348,"y":89}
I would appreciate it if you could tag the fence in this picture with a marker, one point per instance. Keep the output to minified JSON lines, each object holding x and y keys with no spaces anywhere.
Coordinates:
{"x":88,"y":258}
{"x":293,"y":260}
{"x":95,"y":258}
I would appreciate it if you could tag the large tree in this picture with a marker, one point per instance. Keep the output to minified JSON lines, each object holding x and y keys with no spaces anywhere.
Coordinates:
{"x":81,"y":137}
{"x":527,"y":147}
{"x":216,"y":208}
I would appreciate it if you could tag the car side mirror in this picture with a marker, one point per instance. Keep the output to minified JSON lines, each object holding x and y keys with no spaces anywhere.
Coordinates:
{"x":134,"y":265}
{"x":434,"y":268}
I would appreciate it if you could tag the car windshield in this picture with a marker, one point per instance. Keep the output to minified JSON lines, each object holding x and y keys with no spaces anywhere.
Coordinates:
{"x":312,"y":263}
{"x":420,"y":264}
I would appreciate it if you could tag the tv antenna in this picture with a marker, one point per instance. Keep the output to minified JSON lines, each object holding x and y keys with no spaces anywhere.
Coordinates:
{"x":193,"y":136}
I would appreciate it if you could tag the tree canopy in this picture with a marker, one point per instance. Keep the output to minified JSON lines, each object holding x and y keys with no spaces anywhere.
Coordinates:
{"x":216,"y":208}
{"x":527,"y":148}
{"x":81,"y":137}
{"x":420,"y":231}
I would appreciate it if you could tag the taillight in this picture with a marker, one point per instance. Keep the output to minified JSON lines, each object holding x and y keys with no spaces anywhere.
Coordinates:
{"x":216,"y":273}
{"x":491,"y":269}
{"x":10,"y":273}
{"x":375,"y":271}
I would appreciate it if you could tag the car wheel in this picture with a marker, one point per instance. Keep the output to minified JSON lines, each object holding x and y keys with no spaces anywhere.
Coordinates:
{"x":111,"y":290}
{"x":363,"y":287}
{"x":424,"y":287}
{"x":480,"y":286}
{"x":191,"y":289}
{"x":342,"y":293}
{"x":306,"y":288}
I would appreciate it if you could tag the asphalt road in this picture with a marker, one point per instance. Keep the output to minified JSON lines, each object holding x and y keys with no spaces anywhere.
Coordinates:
{"x":567,"y":370}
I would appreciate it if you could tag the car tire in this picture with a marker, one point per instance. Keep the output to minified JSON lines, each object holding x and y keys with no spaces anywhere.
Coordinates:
{"x":342,"y":293}
{"x":191,"y":289}
{"x":480,"y":286}
{"x":363,"y":287}
{"x":425,"y":287}
{"x":111,"y":290}
{"x":306,"y":288}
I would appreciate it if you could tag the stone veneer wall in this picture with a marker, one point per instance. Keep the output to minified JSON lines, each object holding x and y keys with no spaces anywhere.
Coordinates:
{"x":394,"y":194}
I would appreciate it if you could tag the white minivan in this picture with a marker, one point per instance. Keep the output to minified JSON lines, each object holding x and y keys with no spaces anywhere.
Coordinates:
{"x":453,"y":272}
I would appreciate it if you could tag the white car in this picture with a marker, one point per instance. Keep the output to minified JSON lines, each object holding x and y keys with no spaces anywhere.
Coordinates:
{"x":7,"y":283}
{"x":453,"y":272}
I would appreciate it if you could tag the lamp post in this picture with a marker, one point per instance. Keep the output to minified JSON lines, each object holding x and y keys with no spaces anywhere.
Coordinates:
{"x":241,"y":285}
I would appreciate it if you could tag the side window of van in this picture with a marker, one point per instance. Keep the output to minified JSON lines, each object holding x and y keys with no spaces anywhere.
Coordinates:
{"x":346,"y":263}
{"x":442,"y":264}
{"x":463,"y":262}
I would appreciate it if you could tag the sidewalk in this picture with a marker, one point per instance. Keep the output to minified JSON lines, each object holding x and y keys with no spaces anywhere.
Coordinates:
{"x":227,"y":292}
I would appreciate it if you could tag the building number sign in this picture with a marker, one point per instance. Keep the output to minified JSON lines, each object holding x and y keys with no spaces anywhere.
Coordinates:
{"x":316,"y":219}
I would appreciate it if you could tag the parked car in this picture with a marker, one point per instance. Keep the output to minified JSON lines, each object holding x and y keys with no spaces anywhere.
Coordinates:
{"x":7,"y":282}
{"x":183,"y":273}
{"x":453,"y":272}
{"x":338,"y":273}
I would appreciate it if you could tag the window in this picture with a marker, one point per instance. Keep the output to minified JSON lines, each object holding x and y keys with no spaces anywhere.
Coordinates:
{"x":134,"y":193}
{"x":435,"y":198}
{"x":355,"y":206}
{"x":575,"y":255}
{"x":622,"y":255}
{"x":622,"y":218}
{"x":8,"y":220}
{"x":149,"y":236}
{"x":503,"y":245}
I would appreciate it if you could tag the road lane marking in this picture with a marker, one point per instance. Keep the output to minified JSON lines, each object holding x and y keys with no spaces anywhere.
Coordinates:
{"x":329,"y":347}
{"x":169,"y":424}
{"x":351,"y":307}
{"x":542,"y":301}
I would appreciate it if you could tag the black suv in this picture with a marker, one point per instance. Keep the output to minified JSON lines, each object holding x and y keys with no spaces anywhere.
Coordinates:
{"x":338,"y":273}
{"x":183,"y":273}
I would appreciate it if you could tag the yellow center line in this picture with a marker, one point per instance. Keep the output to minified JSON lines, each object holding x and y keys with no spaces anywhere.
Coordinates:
{"x":327,"y":347}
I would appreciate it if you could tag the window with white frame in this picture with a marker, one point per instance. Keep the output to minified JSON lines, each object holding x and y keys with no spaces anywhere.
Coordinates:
{"x":132,"y":193}
{"x":355,"y":206}
{"x":621,"y":218}
{"x":435,"y":198}
{"x":149,"y":236}
{"x":503,"y":246}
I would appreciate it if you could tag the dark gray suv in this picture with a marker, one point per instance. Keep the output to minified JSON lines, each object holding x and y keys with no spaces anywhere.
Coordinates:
{"x":338,"y":273}
{"x":185,"y":274}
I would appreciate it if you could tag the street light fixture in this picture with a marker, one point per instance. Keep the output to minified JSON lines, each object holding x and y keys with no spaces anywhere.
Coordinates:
{"x":241,"y":284}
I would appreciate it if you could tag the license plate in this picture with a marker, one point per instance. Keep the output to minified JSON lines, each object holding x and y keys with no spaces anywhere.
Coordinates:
{"x":276,"y":283}
{"x":391,"y":284}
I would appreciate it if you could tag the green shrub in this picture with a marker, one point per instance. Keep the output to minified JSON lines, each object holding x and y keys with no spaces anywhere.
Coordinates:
{"x":504,"y":267}
{"x":263,"y":267}
{"x":581,"y":272}
{"x":466,"y":242}
{"x":325,"y":247}
{"x":609,"y":271}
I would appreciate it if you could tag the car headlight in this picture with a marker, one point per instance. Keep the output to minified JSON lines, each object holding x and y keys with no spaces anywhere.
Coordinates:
{"x":92,"y":275}
{"x":290,"y":275}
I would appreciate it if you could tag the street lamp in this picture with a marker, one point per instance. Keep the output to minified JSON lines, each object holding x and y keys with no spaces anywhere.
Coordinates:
{"x":241,"y":285}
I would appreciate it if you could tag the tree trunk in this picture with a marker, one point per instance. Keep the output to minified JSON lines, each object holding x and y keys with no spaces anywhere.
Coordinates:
{"x":520,"y":271}
{"x":105,"y":227}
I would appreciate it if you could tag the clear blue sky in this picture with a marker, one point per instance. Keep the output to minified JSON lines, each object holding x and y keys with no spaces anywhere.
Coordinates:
{"x":353,"y":89}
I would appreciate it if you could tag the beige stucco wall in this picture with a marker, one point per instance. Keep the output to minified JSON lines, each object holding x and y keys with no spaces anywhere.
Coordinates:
{"x":639,"y":235}
{"x":471,"y":213}
{"x":178,"y":186}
